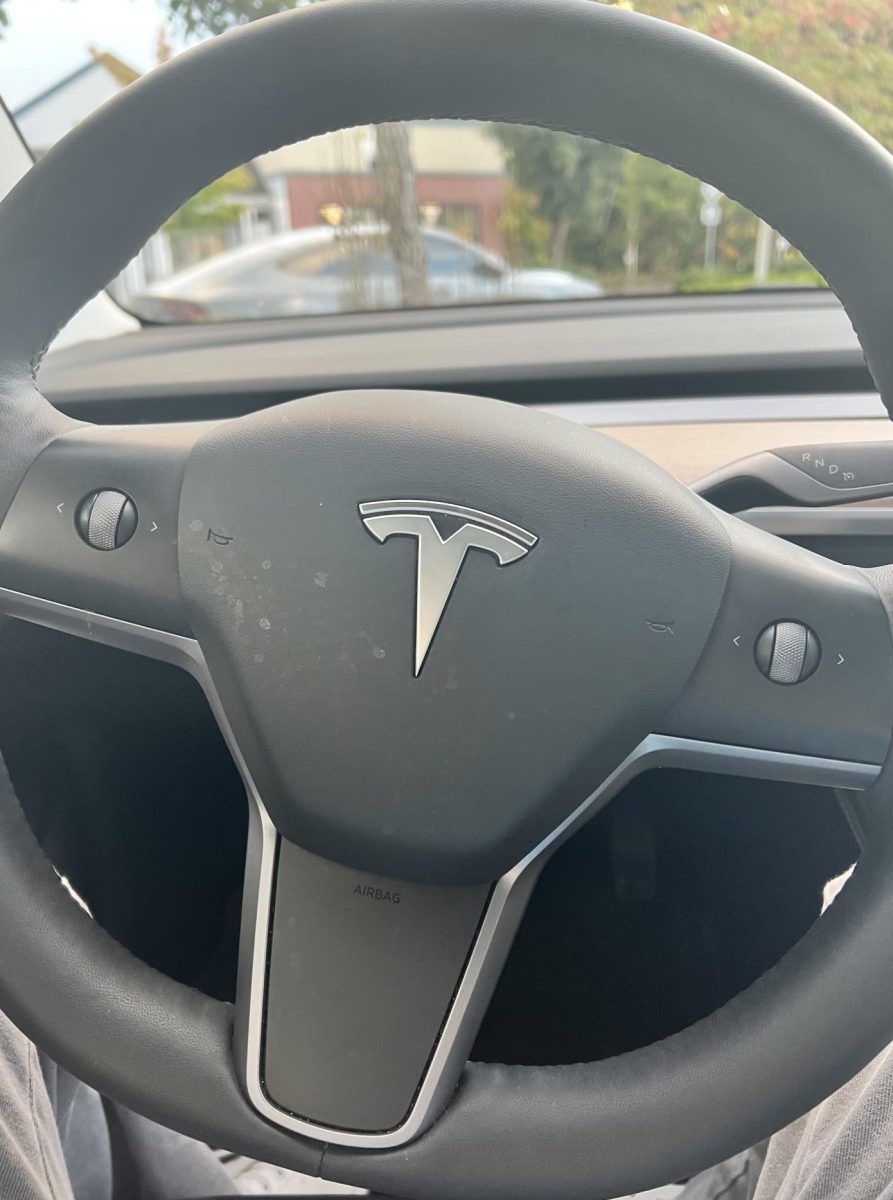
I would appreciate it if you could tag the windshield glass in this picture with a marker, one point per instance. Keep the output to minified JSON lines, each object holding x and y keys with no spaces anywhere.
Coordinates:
{"x":438,"y":212}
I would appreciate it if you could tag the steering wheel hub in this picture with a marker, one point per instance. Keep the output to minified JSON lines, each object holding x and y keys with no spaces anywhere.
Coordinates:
{"x":374,"y":742}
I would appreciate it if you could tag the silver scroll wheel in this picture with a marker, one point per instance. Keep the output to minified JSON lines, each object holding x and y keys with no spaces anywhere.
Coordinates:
{"x":787,"y":652}
{"x":106,"y":519}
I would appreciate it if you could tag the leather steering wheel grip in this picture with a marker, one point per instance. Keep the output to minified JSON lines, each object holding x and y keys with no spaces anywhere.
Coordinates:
{"x":663,"y":1112}
{"x":114,"y":1022}
{"x":85,"y":210}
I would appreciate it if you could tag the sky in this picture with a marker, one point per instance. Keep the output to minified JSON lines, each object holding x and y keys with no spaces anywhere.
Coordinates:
{"x":47,"y":39}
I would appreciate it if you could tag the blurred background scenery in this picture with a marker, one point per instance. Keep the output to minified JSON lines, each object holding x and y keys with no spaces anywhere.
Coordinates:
{"x":435,"y":212}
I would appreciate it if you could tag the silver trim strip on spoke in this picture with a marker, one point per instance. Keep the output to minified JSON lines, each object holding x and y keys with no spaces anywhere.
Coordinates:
{"x":106,"y":631}
{"x":508,"y":899}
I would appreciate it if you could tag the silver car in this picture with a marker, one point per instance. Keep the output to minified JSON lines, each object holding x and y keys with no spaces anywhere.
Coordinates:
{"x":327,"y":270}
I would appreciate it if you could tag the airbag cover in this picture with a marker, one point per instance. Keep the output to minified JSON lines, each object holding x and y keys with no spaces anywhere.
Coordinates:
{"x":554,"y":655}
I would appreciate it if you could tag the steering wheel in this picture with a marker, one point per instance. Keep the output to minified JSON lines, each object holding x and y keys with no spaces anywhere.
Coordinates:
{"x":439,"y":633}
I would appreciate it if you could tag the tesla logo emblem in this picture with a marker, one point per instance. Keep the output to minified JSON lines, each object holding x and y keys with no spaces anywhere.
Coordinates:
{"x":439,"y":559}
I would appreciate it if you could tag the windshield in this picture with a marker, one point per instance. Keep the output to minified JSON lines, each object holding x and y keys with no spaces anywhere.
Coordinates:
{"x":435,"y":213}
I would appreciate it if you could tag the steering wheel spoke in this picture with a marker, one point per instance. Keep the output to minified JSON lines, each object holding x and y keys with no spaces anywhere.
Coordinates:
{"x":92,"y":532}
{"x":359,"y":996}
{"x":796,"y":681}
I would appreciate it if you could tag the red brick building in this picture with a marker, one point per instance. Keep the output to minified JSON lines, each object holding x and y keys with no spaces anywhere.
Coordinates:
{"x":460,"y":179}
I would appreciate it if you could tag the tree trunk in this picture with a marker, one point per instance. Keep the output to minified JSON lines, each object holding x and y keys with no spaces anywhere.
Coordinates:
{"x":400,"y":211}
{"x":558,"y":241}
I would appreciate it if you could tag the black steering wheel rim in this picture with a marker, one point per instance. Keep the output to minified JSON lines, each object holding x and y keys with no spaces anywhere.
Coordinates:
{"x":817,"y":1017}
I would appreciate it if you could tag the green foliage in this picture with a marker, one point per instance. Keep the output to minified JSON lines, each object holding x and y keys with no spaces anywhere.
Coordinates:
{"x":201,"y":17}
{"x":657,"y":210}
{"x":842,"y":49}
{"x":573,"y":178}
{"x":609,"y":201}
{"x":564,"y":171}
{"x":699,"y":280}
{"x":213,"y":206}
{"x":526,"y":232}
{"x":627,"y":208}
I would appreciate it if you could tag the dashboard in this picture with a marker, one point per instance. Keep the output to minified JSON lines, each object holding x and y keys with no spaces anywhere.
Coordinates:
{"x":693,"y":382}
{"x":793,"y":354}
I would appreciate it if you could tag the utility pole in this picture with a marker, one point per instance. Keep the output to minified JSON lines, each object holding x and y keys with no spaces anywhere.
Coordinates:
{"x":762,"y":255}
{"x":711,"y":215}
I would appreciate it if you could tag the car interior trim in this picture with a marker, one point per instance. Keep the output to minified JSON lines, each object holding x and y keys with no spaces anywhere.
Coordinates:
{"x":856,"y":520}
{"x":721,"y":410}
{"x":770,"y":470}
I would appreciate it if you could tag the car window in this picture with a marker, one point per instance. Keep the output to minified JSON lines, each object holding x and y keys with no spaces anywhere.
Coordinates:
{"x":449,"y":258}
{"x":484,"y":212}
{"x":331,"y":260}
{"x":378,"y":256}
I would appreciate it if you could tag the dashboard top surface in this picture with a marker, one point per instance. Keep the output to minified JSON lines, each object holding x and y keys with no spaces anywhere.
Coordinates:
{"x":677,"y":346}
